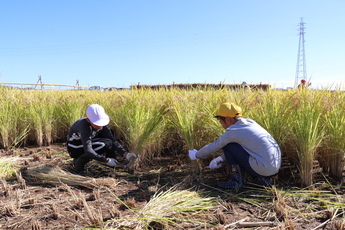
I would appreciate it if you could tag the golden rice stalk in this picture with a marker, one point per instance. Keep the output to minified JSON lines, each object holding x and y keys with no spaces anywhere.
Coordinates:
{"x":55,"y":175}
{"x":172,"y":206}
{"x":169,"y":209}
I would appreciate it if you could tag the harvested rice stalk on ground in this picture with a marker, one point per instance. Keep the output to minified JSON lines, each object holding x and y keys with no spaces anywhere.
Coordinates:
{"x":172,"y":208}
{"x":55,"y":175}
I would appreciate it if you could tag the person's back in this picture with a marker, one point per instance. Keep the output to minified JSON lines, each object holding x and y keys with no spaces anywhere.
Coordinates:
{"x":246,"y":146}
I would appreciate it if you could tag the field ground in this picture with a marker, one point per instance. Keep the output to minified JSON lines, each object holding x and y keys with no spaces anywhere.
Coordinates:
{"x":35,"y":204}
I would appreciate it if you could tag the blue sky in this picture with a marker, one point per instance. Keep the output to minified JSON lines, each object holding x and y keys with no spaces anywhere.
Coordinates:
{"x":120,"y":43}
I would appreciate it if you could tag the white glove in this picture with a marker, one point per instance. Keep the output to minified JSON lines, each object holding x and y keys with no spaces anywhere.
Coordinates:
{"x":129,"y":156}
{"x":111,"y":162}
{"x":216,"y":163}
{"x":192,"y":154}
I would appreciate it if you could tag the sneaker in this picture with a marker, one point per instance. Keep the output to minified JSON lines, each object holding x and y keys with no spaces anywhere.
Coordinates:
{"x":78,"y":166}
{"x":263,"y":182}
{"x":233,"y":183}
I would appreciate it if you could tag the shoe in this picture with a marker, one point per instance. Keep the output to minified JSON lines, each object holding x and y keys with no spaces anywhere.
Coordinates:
{"x":236,"y":178}
{"x":262,"y":181}
{"x":265,"y":181}
{"x":79,"y":166}
{"x":234,"y":183}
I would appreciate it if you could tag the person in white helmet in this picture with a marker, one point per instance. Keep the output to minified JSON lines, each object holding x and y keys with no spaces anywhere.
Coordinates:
{"x":90,"y":138}
{"x":246,"y":146}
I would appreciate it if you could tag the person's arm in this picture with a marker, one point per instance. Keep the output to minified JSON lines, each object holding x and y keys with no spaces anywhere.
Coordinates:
{"x":215,"y":146}
{"x":107,"y":133}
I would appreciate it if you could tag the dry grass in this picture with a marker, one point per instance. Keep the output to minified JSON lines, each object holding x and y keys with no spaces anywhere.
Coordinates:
{"x":7,"y":167}
{"x":175,"y":208}
{"x":55,"y":175}
{"x":7,"y":189}
{"x":95,"y":215}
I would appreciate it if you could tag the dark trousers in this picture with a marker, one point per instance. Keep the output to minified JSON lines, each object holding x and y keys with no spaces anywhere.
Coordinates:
{"x":100,"y":145}
{"x":236,"y":154}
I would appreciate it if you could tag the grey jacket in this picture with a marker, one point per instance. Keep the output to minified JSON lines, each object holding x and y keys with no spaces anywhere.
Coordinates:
{"x":265,"y":155}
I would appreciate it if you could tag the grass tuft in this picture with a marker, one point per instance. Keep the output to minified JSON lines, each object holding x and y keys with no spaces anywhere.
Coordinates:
{"x":7,"y":168}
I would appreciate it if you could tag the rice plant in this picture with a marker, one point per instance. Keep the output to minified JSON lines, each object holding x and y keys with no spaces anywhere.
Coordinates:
{"x":332,"y":154}
{"x":306,"y":124}
{"x":71,"y":108}
{"x":41,"y":110}
{"x":273,"y":113}
{"x":141,"y":122}
{"x":194,"y":122}
{"x":13,"y":125}
{"x":307,"y":133}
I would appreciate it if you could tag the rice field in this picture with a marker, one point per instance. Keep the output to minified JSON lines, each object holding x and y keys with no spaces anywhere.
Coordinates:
{"x":307,"y":124}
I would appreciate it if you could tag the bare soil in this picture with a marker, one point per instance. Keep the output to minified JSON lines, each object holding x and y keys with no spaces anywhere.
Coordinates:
{"x":34,"y":204}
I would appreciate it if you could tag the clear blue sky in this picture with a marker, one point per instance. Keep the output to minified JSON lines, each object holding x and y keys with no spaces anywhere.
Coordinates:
{"x":116,"y":43}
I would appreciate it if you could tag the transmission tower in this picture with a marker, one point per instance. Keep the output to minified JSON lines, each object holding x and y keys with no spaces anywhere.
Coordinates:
{"x":301,"y":70}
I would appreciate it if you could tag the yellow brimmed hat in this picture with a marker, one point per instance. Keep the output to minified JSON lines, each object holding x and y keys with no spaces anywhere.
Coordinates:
{"x":229,"y":110}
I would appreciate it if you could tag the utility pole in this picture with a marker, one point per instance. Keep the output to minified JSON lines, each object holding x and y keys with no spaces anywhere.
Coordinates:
{"x":77,"y":84}
{"x":39,"y":82}
{"x":301,"y":70}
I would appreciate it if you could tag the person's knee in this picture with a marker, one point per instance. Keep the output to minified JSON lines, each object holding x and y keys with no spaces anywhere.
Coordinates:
{"x":232,"y":147}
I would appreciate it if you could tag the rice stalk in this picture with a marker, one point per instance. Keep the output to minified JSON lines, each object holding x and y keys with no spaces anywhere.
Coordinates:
{"x":307,"y":134}
{"x":77,"y":198}
{"x":141,"y":124}
{"x":280,"y":205}
{"x":20,"y":180}
{"x":72,"y":108}
{"x":7,"y":168}
{"x":22,"y":222}
{"x":20,"y":136}
{"x":13,"y":126}
{"x":172,"y":208}
{"x":55,"y":212}
{"x":41,"y":113}
{"x":36,"y":225}
{"x":333,"y":152}
{"x":7,"y":189}
{"x":55,"y":175}
{"x":274,"y":114}
{"x":95,"y":216}
{"x":186,"y":118}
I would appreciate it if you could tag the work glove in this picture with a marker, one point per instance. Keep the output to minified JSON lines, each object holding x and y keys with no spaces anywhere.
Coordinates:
{"x":129,"y":156}
{"x":111,"y":162}
{"x":216,"y":163}
{"x":192,"y":154}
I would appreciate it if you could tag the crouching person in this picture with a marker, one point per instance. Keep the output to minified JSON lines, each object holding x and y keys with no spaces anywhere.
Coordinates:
{"x":246,"y":146}
{"x":90,"y":138}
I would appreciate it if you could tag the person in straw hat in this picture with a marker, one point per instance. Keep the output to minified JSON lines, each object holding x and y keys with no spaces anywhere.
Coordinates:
{"x":246,"y":146}
{"x":90,"y":138}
